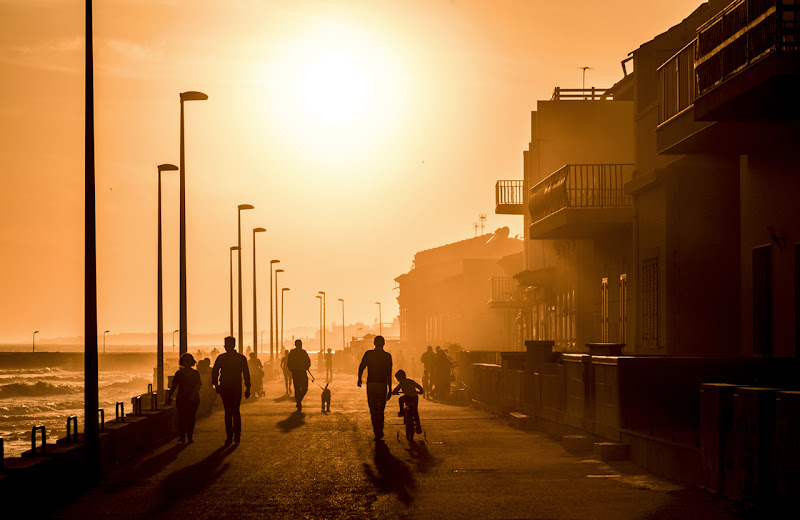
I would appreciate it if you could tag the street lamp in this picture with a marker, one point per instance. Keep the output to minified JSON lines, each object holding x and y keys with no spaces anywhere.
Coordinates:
{"x":239,"y":221}
{"x":160,"y":327}
{"x":283,"y":293}
{"x":33,"y":340}
{"x":324,"y":327}
{"x":271,"y":313}
{"x":320,"y":320}
{"x":104,"y":340}
{"x":230,"y":262}
{"x":380,"y":323}
{"x":343,"y":342}
{"x":277,"y":328}
{"x":255,"y":315}
{"x":184,"y":326}
{"x":262,"y":340}
{"x":173,"y":339}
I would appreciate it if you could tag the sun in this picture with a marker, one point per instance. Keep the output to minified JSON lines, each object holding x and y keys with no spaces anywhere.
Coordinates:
{"x":335,"y":89}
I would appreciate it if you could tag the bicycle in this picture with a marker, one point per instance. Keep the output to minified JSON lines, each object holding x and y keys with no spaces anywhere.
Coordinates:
{"x":411,"y":421}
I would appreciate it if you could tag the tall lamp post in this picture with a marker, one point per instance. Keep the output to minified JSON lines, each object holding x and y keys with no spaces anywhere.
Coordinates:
{"x":277,"y":322}
{"x":255,"y":314}
{"x":173,"y":339}
{"x":343,"y":342}
{"x":240,"y":207}
{"x":184,"y":325}
{"x":159,"y":290}
{"x":283,"y":293}
{"x":271,"y":312}
{"x":324,"y":318}
{"x":320,"y":321}
{"x":230,"y":261}
{"x":33,"y":340}
{"x":104,"y":340}
{"x":380,"y":322}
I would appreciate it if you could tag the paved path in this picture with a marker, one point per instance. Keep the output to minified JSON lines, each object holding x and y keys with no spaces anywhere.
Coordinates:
{"x":315,"y":465}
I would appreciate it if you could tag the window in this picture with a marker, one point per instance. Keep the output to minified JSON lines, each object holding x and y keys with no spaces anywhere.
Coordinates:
{"x":650,"y":302}
{"x":623,"y":308}
{"x":604,"y":310}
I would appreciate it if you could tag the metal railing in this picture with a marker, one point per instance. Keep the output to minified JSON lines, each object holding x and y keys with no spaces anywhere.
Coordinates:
{"x":72,"y":428}
{"x":589,"y":94}
{"x":504,"y":289}
{"x":742,"y":33}
{"x":508,"y":192}
{"x":677,"y":83}
{"x":44,"y":439}
{"x":581,"y":186}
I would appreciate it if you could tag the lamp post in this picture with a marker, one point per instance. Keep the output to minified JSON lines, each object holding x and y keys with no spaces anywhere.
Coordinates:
{"x":320,"y":321}
{"x":283,"y":293}
{"x":230,"y":261}
{"x":324,"y":326}
{"x":262,"y":340}
{"x":184,"y":326}
{"x":255,"y":314}
{"x":380,"y":323}
{"x":104,"y":340}
{"x":240,"y":207}
{"x":271,"y":312}
{"x":343,"y":342}
{"x":33,"y":340}
{"x":277,"y":328}
{"x":160,"y":326}
{"x":173,"y":339}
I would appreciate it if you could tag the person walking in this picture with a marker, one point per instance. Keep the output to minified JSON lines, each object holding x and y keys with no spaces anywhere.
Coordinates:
{"x":256,"y":374}
{"x":229,"y":370}
{"x":299,"y":364}
{"x":378,"y":363}
{"x":187,"y":381}
{"x":329,"y":365}
{"x":287,"y":374}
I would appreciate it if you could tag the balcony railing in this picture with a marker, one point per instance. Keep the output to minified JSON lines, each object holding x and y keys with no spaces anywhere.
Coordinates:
{"x":590,"y":94}
{"x":742,"y":33}
{"x":508,"y":192}
{"x":504,"y":290}
{"x":581,"y":186}
{"x":677,"y":83}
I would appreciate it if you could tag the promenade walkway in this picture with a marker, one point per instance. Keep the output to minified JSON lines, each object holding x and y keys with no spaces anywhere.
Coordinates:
{"x":325,"y":465}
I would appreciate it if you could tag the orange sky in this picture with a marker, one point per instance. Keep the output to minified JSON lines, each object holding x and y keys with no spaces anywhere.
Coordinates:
{"x":362,"y":132}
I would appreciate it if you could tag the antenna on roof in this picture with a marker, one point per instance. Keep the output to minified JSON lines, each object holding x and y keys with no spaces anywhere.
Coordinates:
{"x":475,"y":228}
{"x":482,"y":220}
{"x":583,"y":84}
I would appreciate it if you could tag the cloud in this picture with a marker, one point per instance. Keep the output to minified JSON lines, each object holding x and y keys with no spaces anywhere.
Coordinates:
{"x":136,"y":51}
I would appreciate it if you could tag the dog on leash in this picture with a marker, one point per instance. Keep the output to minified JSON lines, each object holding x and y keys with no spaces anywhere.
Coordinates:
{"x":326,"y":398}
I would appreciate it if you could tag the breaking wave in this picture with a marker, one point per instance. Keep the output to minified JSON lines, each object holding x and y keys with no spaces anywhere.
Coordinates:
{"x":38,"y":389}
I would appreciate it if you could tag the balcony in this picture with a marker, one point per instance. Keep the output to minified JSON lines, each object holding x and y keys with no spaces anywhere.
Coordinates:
{"x":747,"y":62}
{"x":505,"y":293}
{"x":508,"y":196}
{"x":581,"y":201}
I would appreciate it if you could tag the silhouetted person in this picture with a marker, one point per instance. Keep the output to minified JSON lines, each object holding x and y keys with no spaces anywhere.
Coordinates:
{"x":329,"y":365}
{"x":427,"y":359}
{"x":426,"y":384}
{"x":187,"y":381}
{"x":378,"y":363}
{"x":256,"y":374}
{"x":207,"y":393}
{"x":299,"y":363}
{"x":441,"y":373}
{"x":287,"y":374}
{"x":229,"y":370}
{"x":410,"y":398}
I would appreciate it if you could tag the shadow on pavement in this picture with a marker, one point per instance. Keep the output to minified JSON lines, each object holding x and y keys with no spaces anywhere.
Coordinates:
{"x":423,"y":459}
{"x":391,"y":475}
{"x":193,"y":479}
{"x":295,"y":420}
{"x":283,"y":398}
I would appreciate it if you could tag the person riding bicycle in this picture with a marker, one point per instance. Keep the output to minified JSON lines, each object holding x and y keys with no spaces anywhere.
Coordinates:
{"x":411,"y":390}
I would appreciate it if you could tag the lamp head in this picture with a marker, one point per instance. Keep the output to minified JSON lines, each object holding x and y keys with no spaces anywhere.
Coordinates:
{"x":322,"y":292}
{"x":106,"y":331}
{"x":285,"y":289}
{"x":340,"y":299}
{"x":193,"y":95}
{"x":246,"y":206}
{"x":377,"y":303}
{"x":274,"y":261}
{"x":278,"y":271}
{"x":167,"y":168}
{"x":234,"y":248}
{"x":36,"y":332}
{"x":258,"y":230}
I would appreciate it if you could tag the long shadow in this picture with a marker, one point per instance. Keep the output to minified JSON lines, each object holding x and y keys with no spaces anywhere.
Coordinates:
{"x":423,"y":460}
{"x":193,"y":479}
{"x":283,"y":398}
{"x":391,"y":475}
{"x":295,"y":420}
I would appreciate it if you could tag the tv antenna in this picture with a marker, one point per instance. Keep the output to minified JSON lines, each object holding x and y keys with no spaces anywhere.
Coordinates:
{"x":482,"y":220}
{"x":583,"y":83}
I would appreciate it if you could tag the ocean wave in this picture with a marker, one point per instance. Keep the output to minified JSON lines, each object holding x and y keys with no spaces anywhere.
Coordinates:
{"x":133,"y":383}
{"x":17,"y":371}
{"x":38,"y":389}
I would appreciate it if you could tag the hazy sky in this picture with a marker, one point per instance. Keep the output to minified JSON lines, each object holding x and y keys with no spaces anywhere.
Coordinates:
{"x":362,"y":132}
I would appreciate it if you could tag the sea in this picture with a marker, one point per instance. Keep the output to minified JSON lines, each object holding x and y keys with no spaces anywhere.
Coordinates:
{"x":47,"y":387}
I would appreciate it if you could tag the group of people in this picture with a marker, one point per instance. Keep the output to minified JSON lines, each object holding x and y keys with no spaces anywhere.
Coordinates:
{"x":232,"y":371}
{"x":438,"y":372}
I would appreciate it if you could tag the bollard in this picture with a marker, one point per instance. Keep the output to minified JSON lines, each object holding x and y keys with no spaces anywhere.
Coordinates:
{"x":72,"y":419}
{"x":136,"y":405}
{"x":153,"y":401}
{"x":149,"y":388}
{"x":2,"y":454}
{"x":44,"y":439}
{"x":102,"y":419}
{"x":120,"y":411}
